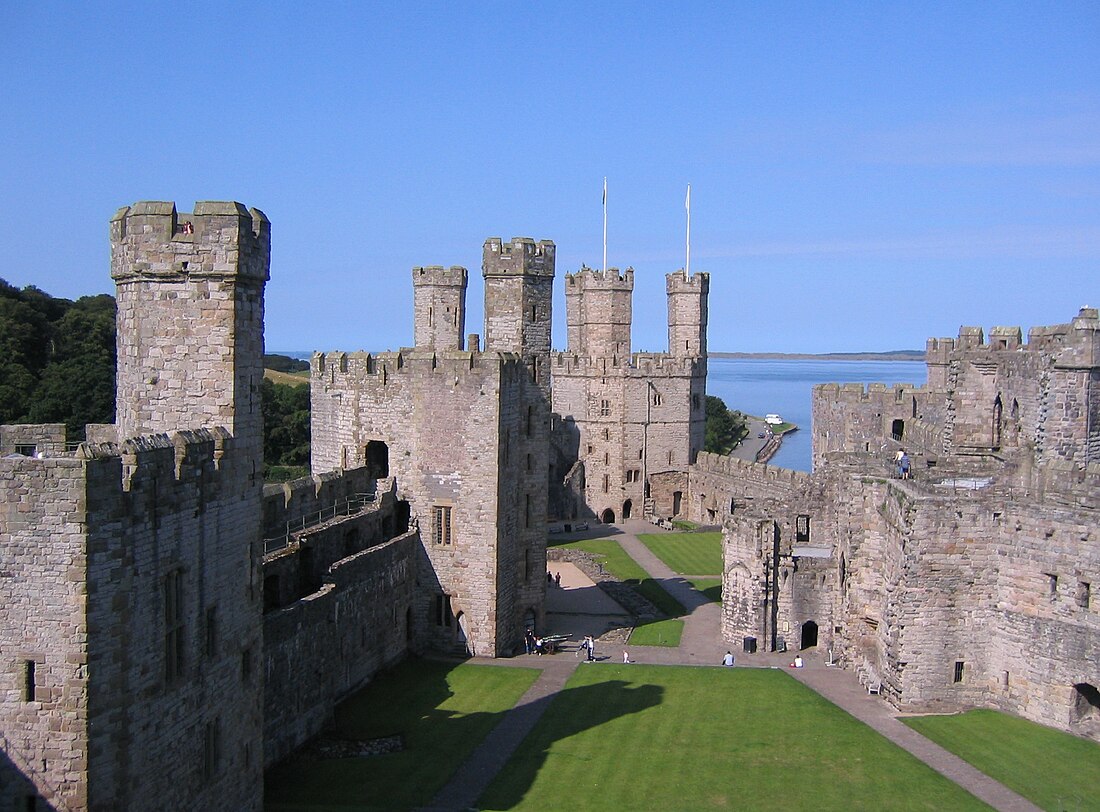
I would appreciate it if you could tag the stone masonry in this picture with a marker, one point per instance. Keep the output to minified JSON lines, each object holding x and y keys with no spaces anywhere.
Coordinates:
{"x":969,"y":584}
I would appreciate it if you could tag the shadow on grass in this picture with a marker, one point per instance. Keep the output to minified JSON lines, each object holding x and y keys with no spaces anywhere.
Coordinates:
{"x":572,"y":711}
{"x":442,"y":712}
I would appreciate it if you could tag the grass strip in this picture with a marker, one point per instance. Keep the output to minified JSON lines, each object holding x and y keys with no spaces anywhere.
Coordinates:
{"x":658,"y":633}
{"x":442,"y":710}
{"x":1052,"y":769}
{"x":687,"y":553}
{"x":677,"y":738}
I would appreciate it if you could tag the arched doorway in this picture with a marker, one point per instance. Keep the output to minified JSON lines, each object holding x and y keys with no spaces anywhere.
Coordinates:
{"x":809,"y":634}
{"x":627,"y":505}
{"x":462,"y":633}
{"x":377,"y":455}
{"x":608,"y":516}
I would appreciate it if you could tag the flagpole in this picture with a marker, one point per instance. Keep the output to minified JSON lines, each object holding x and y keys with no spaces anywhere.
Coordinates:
{"x":605,"y":225}
{"x":687,"y":205}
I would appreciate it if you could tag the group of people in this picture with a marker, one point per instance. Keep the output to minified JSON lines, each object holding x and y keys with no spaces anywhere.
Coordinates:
{"x":901,"y":462}
{"x":553,"y":579}
{"x":588,"y":645}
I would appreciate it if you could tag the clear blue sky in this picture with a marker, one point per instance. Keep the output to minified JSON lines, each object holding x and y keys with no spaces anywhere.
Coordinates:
{"x":863,"y":175}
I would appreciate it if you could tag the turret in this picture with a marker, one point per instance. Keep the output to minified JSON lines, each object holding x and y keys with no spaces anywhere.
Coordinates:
{"x":439,"y":307}
{"x":598,"y":311}
{"x":687,"y":313}
{"x":190,"y":299}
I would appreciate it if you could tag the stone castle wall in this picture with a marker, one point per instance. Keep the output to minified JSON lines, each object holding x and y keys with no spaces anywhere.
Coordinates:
{"x":486,"y":470}
{"x":31,"y":439}
{"x":164,"y":711}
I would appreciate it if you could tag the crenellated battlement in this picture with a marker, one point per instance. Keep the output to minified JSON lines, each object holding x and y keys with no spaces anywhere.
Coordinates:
{"x":520,"y":257}
{"x":1081,"y":333}
{"x":327,"y":368}
{"x":455,"y":276}
{"x":150,"y":240}
{"x":707,"y":462}
{"x":680,"y":282}
{"x":642,"y":364}
{"x":853,"y":393}
{"x":591,"y":279}
{"x":175,"y":456}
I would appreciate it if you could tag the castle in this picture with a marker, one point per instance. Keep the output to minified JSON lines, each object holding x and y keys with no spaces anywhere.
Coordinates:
{"x":171,"y":626}
{"x":971,"y":581}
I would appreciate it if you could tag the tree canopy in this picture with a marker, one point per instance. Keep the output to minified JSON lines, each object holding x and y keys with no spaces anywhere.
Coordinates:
{"x":725,"y":428}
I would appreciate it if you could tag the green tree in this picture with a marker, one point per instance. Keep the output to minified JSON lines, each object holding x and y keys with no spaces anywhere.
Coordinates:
{"x":725,"y":428}
{"x":286,"y":426}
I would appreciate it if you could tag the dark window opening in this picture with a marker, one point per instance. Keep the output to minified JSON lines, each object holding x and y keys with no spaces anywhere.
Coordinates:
{"x":608,"y":516}
{"x":997,"y":409}
{"x":26,"y":450}
{"x":28,"y":680}
{"x":211,"y":750}
{"x":1084,"y":594}
{"x":1086,"y":701}
{"x":173,"y":626}
{"x":271,"y":593}
{"x":441,"y":524}
{"x":802,"y":529}
{"x":378,"y":459}
{"x":677,"y":500}
{"x":809,"y":634}
{"x":897,"y":429}
{"x":211,"y":636}
{"x":442,"y":610}
{"x":627,"y":505}
{"x":958,"y":676}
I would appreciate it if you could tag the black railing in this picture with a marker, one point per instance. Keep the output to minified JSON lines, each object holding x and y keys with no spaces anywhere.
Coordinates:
{"x":347,"y":507}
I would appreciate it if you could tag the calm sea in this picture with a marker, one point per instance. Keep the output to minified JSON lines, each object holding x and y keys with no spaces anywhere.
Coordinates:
{"x":759,"y":386}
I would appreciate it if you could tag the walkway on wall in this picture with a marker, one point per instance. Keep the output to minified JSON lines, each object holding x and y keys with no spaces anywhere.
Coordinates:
{"x":701,"y":644}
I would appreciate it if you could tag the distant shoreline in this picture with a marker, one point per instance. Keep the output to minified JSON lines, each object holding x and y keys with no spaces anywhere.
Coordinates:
{"x":896,"y":355}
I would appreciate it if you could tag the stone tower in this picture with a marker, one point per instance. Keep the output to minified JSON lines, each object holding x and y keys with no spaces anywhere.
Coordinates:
{"x":598,"y":312}
{"x":439,"y":307}
{"x":190,"y":318}
{"x":519,"y":285}
{"x":687,"y":314}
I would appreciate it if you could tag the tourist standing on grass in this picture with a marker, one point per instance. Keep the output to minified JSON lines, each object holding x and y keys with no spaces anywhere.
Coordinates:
{"x":728,"y":659}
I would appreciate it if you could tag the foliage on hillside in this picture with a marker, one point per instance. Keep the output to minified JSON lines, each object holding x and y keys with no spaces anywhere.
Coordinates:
{"x":57,"y":358}
{"x":725,"y":428}
{"x":284,"y":363}
{"x":286,"y":429}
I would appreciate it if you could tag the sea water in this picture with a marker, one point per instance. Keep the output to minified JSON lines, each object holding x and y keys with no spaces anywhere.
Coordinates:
{"x":760,"y":386}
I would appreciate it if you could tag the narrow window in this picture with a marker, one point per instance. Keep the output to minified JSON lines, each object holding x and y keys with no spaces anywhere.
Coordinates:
{"x":211,"y":631}
{"x":26,"y":450}
{"x":606,"y":458}
{"x":656,"y":398}
{"x":28,"y":680}
{"x":211,"y":749}
{"x":527,"y":511}
{"x":431,"y":317}
{"x":526,"y":565}
{"x":173,"y":626}
{"x":606,"y":483}
{"x":441,"y":525}
{"x":670,"y":458}
{"x":958,"y":671}
{"x":605,"y":408}
{"x":530,"y":463}
{"x":530,"y":420}
{"x":442,"y":611}
{"x":1052,"y":586}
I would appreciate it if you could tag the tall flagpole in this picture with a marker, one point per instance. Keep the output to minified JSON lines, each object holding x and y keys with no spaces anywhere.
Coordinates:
{"x":605,"y":225}
{"x":687,"y":205}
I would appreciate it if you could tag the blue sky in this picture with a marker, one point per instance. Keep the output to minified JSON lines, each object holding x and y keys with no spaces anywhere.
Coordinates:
{"x":863,"y":175}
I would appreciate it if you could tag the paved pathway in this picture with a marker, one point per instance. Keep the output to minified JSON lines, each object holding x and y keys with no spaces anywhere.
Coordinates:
{"x":578,"y":602}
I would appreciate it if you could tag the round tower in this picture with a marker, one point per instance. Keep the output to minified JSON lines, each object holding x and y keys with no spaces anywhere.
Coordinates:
{"x":190,"y":293}
{"x":439,"y":306}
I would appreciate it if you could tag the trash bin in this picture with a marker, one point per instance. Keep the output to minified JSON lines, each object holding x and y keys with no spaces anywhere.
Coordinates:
{"x":750,"y":645}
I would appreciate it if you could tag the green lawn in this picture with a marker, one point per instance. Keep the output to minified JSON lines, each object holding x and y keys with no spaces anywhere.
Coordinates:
{"x":624,"y":568}
{"x":442,"y":710}
{"x":660,"y":633}
{"x":651,"y":737}
{"x":687,"y":553}
{"x":1050,"y":768}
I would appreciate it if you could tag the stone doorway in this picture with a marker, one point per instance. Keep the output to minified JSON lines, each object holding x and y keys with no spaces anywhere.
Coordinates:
{"x":627,"y":505}
{"x":809,"y":634}
{"x":608,"y":516}
{"x":1086,"y":703}
{"x":897,"y":430}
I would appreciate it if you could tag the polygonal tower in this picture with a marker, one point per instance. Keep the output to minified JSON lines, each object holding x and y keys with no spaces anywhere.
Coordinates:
{"x":519,"y":285}
{"x":439,"y":306}
{"x":598,"y":312}
{"x":687,"y":314}
{"x":190,"y":318}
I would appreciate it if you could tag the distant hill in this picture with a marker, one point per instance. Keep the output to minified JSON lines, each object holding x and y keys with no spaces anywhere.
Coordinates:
{"x":893,"y":355}
{"x":284,"y":363}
